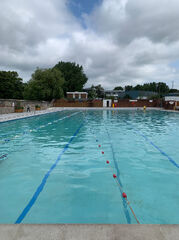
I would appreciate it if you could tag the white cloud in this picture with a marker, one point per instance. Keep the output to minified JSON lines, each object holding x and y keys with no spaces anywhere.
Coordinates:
{"x":125,"y":42}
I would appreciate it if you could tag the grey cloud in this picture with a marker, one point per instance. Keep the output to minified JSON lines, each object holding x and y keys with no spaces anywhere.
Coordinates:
{"x":28,"y":23}
{"x":125,"y":42}
{"x":26,"y":31}
{"x":154,"y":19}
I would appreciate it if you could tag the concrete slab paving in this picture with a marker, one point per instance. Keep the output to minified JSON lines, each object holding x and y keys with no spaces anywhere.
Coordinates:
{"x":89,"y":232}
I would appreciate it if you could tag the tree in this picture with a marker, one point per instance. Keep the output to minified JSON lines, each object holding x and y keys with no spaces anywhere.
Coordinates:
{"x":96,"y":92}
{"x":128,"y":88}
{"x":162,"y":88}
{"x":118,"y":88}
{"x":150,"y":87}
{"x":74,"y":76}
{"x":11,"y":86}
{"x":173,"y":90}
{"x":45,"y":84}
{"x":99,"y":91}
{"x":92,"y":93}
{"x":138,"y":88}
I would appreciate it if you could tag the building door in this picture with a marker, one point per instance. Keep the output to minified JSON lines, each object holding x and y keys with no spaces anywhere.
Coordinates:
{"x":107,"y":103}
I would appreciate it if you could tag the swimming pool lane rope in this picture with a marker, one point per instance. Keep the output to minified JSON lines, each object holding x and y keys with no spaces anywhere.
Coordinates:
{"x":123,"y":194}
{"x":44,"y":180}
{"x":117,"y":178}
{"x":118,"y":181}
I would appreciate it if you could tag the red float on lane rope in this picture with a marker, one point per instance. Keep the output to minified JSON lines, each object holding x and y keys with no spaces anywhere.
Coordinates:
{"x":124,"y":195}
{"x":114,"y":176}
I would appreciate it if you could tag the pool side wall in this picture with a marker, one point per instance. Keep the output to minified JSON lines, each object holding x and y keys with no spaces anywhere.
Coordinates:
{"x":8,"y":105}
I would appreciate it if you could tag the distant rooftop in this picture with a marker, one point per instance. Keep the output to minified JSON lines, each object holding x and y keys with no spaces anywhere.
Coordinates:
{"x":135,"y":93}
{"x":113,"y":91}
{"x":173,"y":94}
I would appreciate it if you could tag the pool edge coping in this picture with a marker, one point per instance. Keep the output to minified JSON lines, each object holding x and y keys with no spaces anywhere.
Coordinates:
{"x":89,"y":231}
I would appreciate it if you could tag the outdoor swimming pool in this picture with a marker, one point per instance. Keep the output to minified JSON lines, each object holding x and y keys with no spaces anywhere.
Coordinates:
{"x":52,"y":169}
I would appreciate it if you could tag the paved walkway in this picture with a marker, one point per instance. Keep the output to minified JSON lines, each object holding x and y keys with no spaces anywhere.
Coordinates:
{"x":89,"y":232}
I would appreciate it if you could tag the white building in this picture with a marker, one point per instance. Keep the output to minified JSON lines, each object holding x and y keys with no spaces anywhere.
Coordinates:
{"x":172,"y":100}
{"x":77,"y":95}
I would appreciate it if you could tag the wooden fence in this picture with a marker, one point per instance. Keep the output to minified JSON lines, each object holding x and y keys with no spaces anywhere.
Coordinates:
{"x":99,"y":103}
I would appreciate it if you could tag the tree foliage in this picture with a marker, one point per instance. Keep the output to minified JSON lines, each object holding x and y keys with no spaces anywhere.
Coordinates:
{"x":160,"y":87}
{"x":45,"y":84}
{"x":118,"y":88}
{"x":11,"y":86}
{"x":74,"y":76}
{"x":92,"y":93}
{"x":99,"y":91}
{"x":128,"y":88}
{"x":173,"y":90}
{"x":96,"y":92}
{"x":154,"y":87}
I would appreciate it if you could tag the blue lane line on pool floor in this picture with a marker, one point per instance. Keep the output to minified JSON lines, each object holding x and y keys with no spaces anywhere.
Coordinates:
{"x":154,"y":145}
{"x":118,"y":178}
{"x":44,"y":180}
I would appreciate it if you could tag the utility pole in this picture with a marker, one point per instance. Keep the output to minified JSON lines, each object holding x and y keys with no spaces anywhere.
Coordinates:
{"x":172,"y":84}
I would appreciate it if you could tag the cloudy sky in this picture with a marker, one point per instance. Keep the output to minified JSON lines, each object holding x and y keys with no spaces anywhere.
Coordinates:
{"x":118,"y":42}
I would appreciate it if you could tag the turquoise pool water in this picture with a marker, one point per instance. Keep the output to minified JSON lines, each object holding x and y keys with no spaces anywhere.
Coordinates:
{"x":52,"y":169}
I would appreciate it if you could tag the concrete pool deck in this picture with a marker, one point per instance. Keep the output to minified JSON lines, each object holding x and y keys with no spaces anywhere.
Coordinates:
{"x":89,"y":232}
{"x":16,"y":116}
